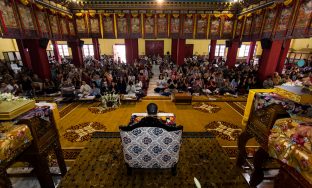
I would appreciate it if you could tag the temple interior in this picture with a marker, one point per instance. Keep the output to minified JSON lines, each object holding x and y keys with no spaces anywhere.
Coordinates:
{"x":155,"y":93}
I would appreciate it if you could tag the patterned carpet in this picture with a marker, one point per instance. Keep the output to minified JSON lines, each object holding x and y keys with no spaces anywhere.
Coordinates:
{"x":201,"y":156}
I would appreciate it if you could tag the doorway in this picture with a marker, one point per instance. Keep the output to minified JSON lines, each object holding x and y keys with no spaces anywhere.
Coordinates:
{"x":119,"y":51}
{"x":189,"y":50}
{"x":154,"y":47}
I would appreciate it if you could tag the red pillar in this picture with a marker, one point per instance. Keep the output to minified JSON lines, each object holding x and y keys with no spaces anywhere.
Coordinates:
{"x":180,"y":51}
{"x":232,"y":54}
{"x":251,"y":51}
{"x":24,"y":53}
{"x":39,"y":58}
{"x":174,"y":50}
{"x":213,"y":44}
{"x":57,"y":55}
{"x":76,"y":52}
{"x":132,"y":50}
{"x":283,"y":55}
{"x":96,"y":47}
{"x":269,"y":60}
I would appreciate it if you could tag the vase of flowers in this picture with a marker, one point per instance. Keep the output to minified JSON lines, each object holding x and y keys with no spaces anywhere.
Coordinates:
{"x":10,"y":97}
{"x":110,"y":100}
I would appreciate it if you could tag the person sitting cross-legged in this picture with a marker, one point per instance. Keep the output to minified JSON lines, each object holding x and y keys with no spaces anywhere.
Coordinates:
{"x":85,"y":89}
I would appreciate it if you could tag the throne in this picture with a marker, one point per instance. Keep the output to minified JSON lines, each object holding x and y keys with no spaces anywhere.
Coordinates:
{"x":151,"y":144}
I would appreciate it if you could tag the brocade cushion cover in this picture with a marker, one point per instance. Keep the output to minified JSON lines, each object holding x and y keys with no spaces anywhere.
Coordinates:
{"x":151,"y":147}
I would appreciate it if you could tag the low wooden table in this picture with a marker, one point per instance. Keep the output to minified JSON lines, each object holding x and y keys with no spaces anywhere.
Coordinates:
{"x":182,"y":98}
{"x":125,"y":99}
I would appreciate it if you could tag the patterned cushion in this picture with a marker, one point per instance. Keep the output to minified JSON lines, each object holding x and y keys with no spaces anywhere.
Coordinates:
{"x":151,"y":147}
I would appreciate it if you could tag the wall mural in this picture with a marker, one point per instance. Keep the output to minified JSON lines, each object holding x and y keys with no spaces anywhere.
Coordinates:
{"x":108,"y":26}
{"x":188,"y":26}
{"x":135,"y":26}
{"x":162,"y":26}
{"x":43,"y":23}
{"x":283,"y":22}
{"x":149,"y":26}
{"x":27,"y":21}
{"x":63,"y":23}
{"x":94,"y":26}
{"x":8,"y":20}
{"x":122,"y":26}
{"x":239,"y":27}
{"x":227,"y":28}
{"x":71,"y":27}
{"x":269,"y":22}
{"x":175,"y":26}
{"x":54,"y":27}
{"x":256,"y":26}
{"x":246,"y":33}
{"x":201,"y":26}
{"x":215,"y":27}
{"x":303,"y":22}
{"x":81,"y":26}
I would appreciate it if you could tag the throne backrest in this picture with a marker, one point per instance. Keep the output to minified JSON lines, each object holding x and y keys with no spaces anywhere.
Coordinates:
{"x":151,"y":147}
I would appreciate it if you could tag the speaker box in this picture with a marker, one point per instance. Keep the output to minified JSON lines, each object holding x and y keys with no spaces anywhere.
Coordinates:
{"x":266,"y":43}
{"x":228,"y":43}
{"x":81,"y":43}
{"x":43,"y":43}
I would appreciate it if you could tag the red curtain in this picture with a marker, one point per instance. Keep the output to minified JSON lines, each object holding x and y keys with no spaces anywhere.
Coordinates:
{"x":174,"y":50}
{"x":132,"y":50}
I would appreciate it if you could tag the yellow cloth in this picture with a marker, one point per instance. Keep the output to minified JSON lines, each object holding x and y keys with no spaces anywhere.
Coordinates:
{"x":249,"y":104}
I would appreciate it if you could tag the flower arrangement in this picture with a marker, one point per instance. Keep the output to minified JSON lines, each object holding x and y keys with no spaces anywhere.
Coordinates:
{"x":10,"y":97}
{"x":110,"y":100}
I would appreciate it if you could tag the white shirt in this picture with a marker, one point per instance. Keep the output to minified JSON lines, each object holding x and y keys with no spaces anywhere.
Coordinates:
{"x":85,"y":89}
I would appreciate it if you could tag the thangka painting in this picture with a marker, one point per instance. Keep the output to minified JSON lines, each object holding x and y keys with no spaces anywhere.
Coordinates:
{"x":27,"y":20}
{"x":188,"y":26}
{"x":239,"y":27}
{"x":201,"y":26}
{"x":108,"y":26}
{"x":175,"y":26}
{"x":135,"y":28}
{"x":94,"y":25}
{"x":71,"y":27}
{"x":283,"y":22}
{"x":63,"y":23}
{"x":122,"y":26}
{"x":246,"y":33}
{"x":256,"y":27}
{"x":43,"y":23}
{"x":303,"y":22}
{"x":54,"y":26}
{"x":227,"y":28}
{"x":8,"y":20}
{"x":81,"y":27}
{"x":269,"y":22}
{"x":215,"y":28}
{"x":162,"y":26}
{"x":149,"y":26}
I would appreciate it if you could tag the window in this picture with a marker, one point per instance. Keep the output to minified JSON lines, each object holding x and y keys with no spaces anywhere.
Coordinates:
{"x":244,"y":50}
{"x":88,"y":50}
{"x":63,"y":49}
{"x":220,"y":50}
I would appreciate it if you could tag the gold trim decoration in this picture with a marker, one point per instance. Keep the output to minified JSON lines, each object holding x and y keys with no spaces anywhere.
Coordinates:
{"x":135,"y":15}
{"x":149,"y":14}
{"x":92,"y":15}
{"x":24,"y":2}
{"x":101,"y":26}
{"x":79,"y":14}
{"x":39,"y":6}
{"x":115,"y":26}
{"x":203,"y":15}
{"x":240,"y":17}
{"x":189,"y":15}
{"x":287,"y":2}
{"x":175,"y":15}
{"x":272,"y":6}
{"x":121,"y":15}
{"x":249,"y":14}
{"x":234,"y":28}
{"x":106,"y":14}
{"x":162,"y":15}
{"x":208,"y":26}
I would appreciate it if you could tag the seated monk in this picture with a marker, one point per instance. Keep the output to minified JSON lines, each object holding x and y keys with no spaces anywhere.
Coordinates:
{"x":151,"y":118}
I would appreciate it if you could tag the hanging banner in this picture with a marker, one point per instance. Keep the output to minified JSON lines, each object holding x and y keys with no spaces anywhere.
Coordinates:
{"x":284,"y":20}
{"x":71,"y":27}
{"x":94,"y":26}
{"x":81,"y":25}
{"x":108,"y":26}
{"x":239,"y":27}
{"x":247,"y":29}
{"x":269,"y":22}
{"x":149,"y":26}
{"x":174,"y":26}
{"x":55,"y":30}
{"x":215,"y":26}
{"x":9,"y":20}
{"x":256,"y":26}
{"x":64,"y":27}
{"x":188,"y":26}
{"x":122,"y":26}
{"x":303,"y":22}
{"x":27,"y":20}
{"x":227,"y":30}
{"x":135,"y":26}
{"x":162,"y":25}
{"x":201,"y":26}
{"x":42,"y":23}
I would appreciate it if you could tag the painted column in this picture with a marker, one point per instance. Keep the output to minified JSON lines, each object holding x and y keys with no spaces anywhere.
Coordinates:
{"x":39,"y":58}
{"x":251,"y":51}
{"x":232,"y":54}
{"x":213,"y":44}
{"x":76,"y":52}
{"x":24,"y":53}
{"x":96,"y":48}
{"x":269,"y":60}
{"x":57,"y":55}
{"x":283,"y":55}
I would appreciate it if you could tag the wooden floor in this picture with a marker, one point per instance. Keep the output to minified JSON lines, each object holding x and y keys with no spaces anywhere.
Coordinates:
{"x":192,"y":120}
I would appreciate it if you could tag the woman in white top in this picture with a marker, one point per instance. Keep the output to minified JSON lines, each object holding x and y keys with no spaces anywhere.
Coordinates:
{"x":161,"y":84}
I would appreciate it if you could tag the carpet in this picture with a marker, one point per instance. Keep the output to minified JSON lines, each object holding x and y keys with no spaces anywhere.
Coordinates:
{"x":206,"y":107}
{"x":101,"y":164}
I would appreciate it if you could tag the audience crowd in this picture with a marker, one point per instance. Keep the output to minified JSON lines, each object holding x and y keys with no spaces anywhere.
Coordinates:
{"x":197,"y":76}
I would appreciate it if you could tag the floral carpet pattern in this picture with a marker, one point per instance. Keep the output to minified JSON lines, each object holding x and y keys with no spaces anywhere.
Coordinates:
{"x":206,"y":107}
{"x":224,"y":130}
{"x":100,"y":110}
{"x":83,"y":132}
